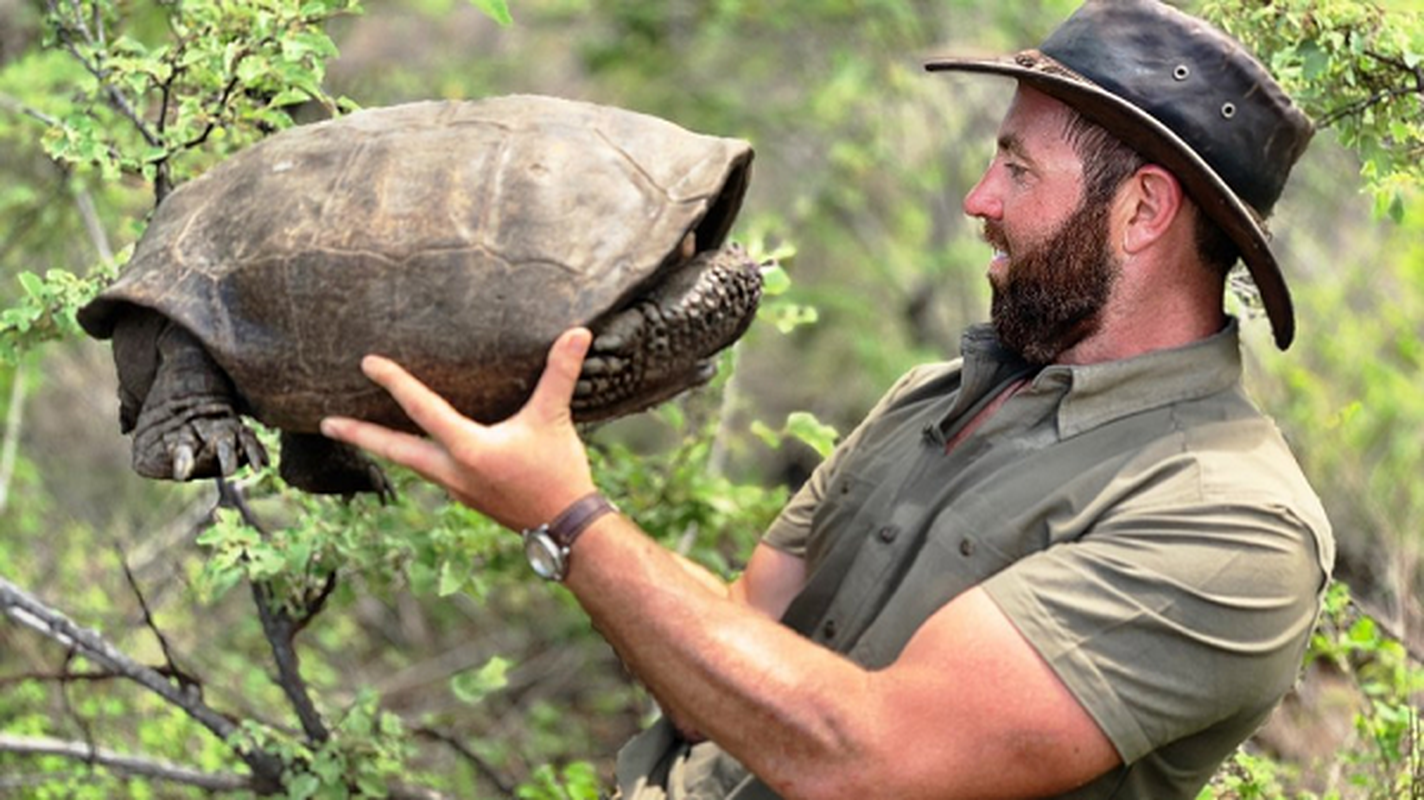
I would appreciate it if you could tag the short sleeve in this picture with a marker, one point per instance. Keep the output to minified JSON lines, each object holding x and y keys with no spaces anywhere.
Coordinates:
{"x":791,"y":530}
{"x":1168,"y":618}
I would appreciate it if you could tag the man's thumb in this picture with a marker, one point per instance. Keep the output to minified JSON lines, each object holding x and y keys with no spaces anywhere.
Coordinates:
{"x":561,"y":372}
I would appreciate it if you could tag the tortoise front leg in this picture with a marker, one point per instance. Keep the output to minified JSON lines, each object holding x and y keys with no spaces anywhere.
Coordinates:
{"x":313,"y":463}
{"x":188,"y":426}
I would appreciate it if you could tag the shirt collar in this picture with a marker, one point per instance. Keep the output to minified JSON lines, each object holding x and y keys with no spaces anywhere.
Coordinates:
{"x":1094,"y":394}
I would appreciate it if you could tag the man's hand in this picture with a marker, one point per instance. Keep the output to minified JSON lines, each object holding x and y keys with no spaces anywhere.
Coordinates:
{"x":520,"y":472}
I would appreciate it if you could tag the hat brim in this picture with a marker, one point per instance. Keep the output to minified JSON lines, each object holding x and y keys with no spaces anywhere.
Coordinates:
{"x":1160,"y":145}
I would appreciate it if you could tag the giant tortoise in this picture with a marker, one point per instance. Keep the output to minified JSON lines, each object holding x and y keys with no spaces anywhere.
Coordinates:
{"x":459,"y":238}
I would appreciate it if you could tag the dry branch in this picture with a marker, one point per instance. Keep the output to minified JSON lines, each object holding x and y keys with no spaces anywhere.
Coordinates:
{"x":281,"y":628}
{"x":124,"y":763}
{"x":30,"y":611}
{"x":10,"y":448}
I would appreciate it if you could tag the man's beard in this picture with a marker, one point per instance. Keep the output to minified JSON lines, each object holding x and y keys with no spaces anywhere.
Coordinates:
{"x":1053,"y":292}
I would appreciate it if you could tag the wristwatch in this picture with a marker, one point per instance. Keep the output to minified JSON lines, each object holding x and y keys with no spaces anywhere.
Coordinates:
{"x":547,"y":546}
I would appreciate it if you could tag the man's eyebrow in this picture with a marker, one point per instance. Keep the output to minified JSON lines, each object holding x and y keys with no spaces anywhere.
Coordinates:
{"x":1010,"y":143}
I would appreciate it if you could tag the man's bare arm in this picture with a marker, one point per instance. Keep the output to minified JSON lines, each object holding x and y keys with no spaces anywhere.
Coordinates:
{"x":969,"y":710}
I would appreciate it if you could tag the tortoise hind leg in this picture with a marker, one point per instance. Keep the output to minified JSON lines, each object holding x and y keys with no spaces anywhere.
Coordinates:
{"x":187,"y":426}
{"x":313,"y":463}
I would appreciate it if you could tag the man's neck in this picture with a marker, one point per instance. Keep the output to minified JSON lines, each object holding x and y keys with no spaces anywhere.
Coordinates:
{"x":1140,"y":319}
{"x":1126,"y":340}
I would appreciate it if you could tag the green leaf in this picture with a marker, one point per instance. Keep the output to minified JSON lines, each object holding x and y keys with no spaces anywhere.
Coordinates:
{"x":764,"y":432}
{"x":1396,"y":209}
{"x":452,"y":577}
{"x":34,"y":285}
{"x":497,"y":10}
{"x":300,"y":787}
{"x":819,"y":436}
{"x":774,"y":280}
{"x":473,"y":686}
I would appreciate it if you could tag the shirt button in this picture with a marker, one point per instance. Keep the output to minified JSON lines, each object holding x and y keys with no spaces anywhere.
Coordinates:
{"x":966,"y":547}
{"x":828,"y":629}
{"x":888,"y":533}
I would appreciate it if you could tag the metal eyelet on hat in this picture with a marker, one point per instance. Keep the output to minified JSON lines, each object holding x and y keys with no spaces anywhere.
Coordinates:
{"x":1228,"y":110}
{"x":1181,"y":72}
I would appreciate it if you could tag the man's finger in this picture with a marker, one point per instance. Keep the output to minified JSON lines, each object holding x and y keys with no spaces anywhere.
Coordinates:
{"x":420,"y":454}
{"x":561,"y":372}
{"x":424,"y":407}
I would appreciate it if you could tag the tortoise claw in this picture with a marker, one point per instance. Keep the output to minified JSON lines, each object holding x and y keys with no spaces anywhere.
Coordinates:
{"x":182,"y":462}
{"x":381,"y":485}
{"x":255,"y":453}
{"x":196,"y":447}
{"x":227,"y":457}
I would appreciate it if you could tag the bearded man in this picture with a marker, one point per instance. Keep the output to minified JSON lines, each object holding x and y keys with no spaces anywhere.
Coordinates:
{"x":1075,"y":562}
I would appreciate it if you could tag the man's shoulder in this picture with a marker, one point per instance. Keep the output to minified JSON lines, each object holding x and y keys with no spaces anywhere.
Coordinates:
{"x":1227,"y":454}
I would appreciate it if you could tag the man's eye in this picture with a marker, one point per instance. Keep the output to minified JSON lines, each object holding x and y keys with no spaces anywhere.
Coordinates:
{"x":1015,"y":170}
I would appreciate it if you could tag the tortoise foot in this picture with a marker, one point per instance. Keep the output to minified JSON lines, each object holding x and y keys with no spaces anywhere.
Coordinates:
{"x":201,"y":443}
{"x":316,"y":464}
{"x":179,"y":404}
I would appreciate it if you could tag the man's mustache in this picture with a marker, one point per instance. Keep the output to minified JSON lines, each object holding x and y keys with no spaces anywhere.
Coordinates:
{"x":993,"y":235}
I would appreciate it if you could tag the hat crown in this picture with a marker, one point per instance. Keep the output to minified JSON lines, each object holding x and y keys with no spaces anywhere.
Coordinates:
{"x":1198,"y":82}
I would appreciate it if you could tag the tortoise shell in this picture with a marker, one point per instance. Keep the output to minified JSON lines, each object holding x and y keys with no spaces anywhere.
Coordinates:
{"x":459,"y":238}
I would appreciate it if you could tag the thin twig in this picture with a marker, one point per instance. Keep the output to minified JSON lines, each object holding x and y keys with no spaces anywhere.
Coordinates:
{"x":1359,"y":106}
{"x":95,"y":67}
{"x":280,"y":629}
{"x":15,"y":106}
{"x":125,"y":763}
{"x":9,"y":452}
{"x":27,"y":610}
{"x":93,"y":226}
{"x":66,"y":31}
{"x":502,"y":782}
{"x":57,"y":677}
{"x":185,"y":679}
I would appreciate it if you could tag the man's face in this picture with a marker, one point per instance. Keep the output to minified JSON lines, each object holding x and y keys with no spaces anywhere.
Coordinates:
{"x":1053,"y":269}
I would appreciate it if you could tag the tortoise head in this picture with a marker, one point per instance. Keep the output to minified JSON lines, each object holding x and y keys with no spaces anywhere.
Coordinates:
{"x":662,"y":340}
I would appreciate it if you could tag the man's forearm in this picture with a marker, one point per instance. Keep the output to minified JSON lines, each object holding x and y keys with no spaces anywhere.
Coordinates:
{"x":772,"y":699}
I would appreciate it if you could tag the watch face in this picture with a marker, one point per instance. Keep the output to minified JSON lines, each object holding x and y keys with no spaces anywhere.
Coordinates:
{"x":544,"y":556}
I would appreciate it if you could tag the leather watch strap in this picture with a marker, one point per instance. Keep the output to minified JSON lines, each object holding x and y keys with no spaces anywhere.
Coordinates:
{"x":578,"y":516}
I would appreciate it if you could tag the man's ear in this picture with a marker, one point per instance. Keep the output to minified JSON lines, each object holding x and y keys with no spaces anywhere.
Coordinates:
{"x":1150,"y":202}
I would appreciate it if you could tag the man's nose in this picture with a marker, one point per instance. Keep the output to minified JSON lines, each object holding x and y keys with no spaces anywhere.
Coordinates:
{"x":982,"y":201}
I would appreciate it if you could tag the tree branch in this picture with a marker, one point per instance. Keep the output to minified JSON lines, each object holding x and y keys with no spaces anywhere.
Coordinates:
{"x":93,"y":225}
{"x":56,"y":677}
{"x":65,"y":31}
{"x":1359,"y":106}
{"x":27,"y":610}
{"x":9,"y":451}
{"x":185,"y":680}
{"x":1415,"y":73}
{"x":97,"y":69}
{"x":504,"y":784}
{"x":281,"y":629}
{"x":124,"y":763}
{"x":15,"y":106}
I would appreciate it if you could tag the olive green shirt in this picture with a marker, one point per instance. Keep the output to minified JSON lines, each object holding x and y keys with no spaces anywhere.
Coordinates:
{"x":1140,"y":522}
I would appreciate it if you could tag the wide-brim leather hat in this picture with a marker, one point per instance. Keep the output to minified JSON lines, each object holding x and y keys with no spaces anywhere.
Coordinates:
{"x":1187,"y":97}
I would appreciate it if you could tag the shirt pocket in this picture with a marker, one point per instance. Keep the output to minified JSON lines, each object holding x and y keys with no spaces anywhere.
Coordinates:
{"x":848,"y":511}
